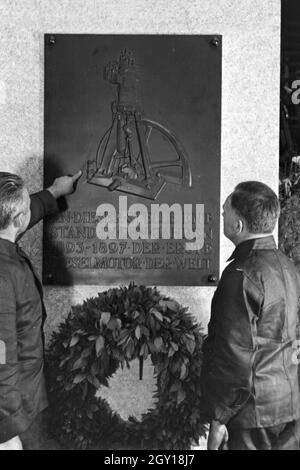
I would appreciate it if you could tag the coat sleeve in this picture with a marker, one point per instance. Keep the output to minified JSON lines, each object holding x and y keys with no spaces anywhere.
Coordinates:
{"x":42,"y":205}
{"x":12,"y":418}
{"x":228,"y":350}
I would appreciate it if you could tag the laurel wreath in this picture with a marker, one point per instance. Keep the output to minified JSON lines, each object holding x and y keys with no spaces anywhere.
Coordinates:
{"x":107,"y":332}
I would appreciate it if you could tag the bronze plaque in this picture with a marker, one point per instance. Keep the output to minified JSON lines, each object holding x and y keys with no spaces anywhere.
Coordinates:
{"x":141,"y":116}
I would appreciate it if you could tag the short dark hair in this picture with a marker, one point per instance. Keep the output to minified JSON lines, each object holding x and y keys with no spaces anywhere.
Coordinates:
{"x":257,"y":204}
{"x":11,"y":196}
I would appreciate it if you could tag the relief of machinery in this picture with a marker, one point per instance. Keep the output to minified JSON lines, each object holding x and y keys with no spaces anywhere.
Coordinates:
{"x":125,"y":159}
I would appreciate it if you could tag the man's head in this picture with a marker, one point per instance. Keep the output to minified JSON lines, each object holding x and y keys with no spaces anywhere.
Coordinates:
{"x":14,"y":204}
{"x":251,"y":210}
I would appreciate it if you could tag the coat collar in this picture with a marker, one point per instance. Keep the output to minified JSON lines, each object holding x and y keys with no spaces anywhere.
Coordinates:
{"x":8,"y":248}
{"x":244,"y":248}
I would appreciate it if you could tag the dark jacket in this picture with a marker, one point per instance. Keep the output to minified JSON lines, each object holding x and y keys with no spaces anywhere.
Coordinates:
{"x":22,"y":313}
{"x":250,"y":371}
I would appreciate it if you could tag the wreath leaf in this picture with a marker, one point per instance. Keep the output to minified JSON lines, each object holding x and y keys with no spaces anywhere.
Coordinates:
{"x":100,"y":342}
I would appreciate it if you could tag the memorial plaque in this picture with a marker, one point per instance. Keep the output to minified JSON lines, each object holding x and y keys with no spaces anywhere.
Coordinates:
{"x":141,"y":116}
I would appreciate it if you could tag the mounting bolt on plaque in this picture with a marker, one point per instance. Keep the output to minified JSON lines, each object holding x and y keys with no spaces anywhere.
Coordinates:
{"x":215,"y":42}
{"x":212,"y":278}
{"x":52,"y":40}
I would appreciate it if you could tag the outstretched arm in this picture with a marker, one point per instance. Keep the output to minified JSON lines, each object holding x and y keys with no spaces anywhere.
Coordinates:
{"x":44,"y":202}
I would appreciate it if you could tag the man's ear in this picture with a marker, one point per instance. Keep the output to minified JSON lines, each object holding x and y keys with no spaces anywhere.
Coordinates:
{"x":240,"y":225}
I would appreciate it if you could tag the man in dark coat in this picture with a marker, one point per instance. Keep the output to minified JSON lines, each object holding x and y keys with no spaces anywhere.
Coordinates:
{"x":22,"y":387}
{"x":250,"y":369}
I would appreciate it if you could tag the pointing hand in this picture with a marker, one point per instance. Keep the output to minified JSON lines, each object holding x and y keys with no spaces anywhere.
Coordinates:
{"x":64,"y":185}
